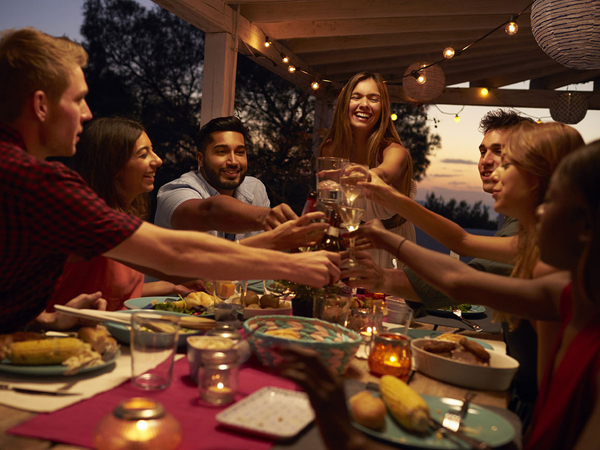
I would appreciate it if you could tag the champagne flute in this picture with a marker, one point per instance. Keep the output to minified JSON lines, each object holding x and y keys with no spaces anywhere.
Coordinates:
{"x":351,"y":175}
{"x":351,"y":211}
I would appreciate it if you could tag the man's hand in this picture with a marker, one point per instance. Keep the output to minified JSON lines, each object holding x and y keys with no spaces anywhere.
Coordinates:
{"x":315,"y":269}
{"x":370,"y":276}
{"x":60,"y":321}
{"x":299,"y":232}
{"x":278,"y":215}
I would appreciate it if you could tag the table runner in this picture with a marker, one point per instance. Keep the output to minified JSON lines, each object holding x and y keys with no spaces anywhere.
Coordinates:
{"x":75,"y":425}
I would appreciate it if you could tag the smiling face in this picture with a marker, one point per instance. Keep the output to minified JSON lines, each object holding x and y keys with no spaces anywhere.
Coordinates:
{"x":490,"y":151}
{"x":364,"y":108}
{"x":65,"y":118}
{"x":137,"y":177}
{"x":515,"y":191}
{"x":224,"y":162}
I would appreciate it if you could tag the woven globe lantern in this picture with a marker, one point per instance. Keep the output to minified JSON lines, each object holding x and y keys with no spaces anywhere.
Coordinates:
{"x":568,"y":107}
{"x":433,"y":85}
{"x":568,"y":31}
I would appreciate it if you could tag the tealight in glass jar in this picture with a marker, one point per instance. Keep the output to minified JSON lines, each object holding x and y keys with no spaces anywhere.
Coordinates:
{"x":138,"y":423}
{"x":218,"y":377}
{"x":391,"y":355}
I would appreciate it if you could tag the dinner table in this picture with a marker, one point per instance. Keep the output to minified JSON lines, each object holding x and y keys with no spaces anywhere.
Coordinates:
{"x":71,"y":427}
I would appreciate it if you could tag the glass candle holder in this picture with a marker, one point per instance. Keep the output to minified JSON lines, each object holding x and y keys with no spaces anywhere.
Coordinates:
{"x":138,"y":423}
{"x":391,"y":355}
{"x":367,"y":323}
{"x":218,"y":377}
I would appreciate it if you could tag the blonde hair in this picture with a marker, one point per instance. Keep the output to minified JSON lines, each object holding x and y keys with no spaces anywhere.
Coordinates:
{"x":33,"y":61}
{"x":340,"y":136}
{"x":537,"y":149}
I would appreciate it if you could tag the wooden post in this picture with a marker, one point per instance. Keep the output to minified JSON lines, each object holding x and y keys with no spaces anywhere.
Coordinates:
{"x":322,"y":122}
{"x":218,"y":82}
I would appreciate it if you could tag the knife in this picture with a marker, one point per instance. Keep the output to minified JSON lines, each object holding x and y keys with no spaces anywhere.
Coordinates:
{"x":9,"y":387}
{"x":474,"y":443}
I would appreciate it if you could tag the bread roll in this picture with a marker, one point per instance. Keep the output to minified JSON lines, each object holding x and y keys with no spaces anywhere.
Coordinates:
{"x":99,"y":339}
{"x":368,"y":411}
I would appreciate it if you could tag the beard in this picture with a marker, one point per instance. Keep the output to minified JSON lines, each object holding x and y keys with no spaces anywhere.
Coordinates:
{"x":214,"y":179}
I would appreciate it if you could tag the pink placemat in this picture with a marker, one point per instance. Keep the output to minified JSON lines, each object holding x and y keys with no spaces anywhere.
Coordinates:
{"x":75,"y":424}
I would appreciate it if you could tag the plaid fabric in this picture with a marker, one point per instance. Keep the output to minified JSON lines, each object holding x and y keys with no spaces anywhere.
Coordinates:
{"x":47,"y":212}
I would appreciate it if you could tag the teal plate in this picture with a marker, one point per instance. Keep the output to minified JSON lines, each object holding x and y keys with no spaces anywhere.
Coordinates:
{"x":46,"y":371}
{"x":474,"y":311}
{"x":142,"y":302}
{"x":479,"y":423}
{"x":421,"y":334}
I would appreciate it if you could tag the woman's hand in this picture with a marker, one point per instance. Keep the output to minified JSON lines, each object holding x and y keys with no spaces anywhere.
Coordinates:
{"x":368,"y":275}
{"x":374,"y":232}
{"x":379,"y":191}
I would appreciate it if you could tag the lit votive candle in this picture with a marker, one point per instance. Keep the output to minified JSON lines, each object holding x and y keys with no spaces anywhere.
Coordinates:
{"x":391,"y":355}
{"x":218,"y":378}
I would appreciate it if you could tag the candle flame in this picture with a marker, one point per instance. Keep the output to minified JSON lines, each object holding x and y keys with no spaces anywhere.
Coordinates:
{"x":220,"y":385}
{"x":142,"y":425}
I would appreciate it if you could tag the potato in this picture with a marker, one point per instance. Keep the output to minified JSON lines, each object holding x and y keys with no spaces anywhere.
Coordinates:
{"x":253,"y":306}
{"x":367,"y":410}
{"x":269,"y":300}
{"x":251,"y":297}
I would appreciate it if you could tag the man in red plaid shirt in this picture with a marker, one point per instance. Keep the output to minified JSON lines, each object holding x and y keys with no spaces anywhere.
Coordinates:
{"x":47,"y":211}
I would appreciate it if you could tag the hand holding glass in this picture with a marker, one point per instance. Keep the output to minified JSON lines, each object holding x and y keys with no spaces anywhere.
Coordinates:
{"x":352,"y":174}
{"x":352,"y":210}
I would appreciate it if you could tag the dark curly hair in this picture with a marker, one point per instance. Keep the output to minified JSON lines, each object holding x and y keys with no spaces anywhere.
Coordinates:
{"x":230,"y":123}
{"x":501,"y":119}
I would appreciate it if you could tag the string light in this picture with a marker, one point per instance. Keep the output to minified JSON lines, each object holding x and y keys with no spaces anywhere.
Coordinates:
{"x":394,"y":117}
{"x":291,"y":68}
{"x":284,"y":58}
{"x":457,"y":118}
{"x":315,"y":85}
{"x":539,"y":121}
{"x":419,"y":76}
{"x":267,"y":42}
{"x":449,"y":53}
{"x":511,"y":27}
{"x":484,"y":92}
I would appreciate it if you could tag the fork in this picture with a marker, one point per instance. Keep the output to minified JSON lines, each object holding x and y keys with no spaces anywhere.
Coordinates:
{"x":452,"y":420}
{"x":458,"y":313}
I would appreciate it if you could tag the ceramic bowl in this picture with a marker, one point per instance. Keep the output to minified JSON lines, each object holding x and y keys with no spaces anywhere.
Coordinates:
{"x":496,"y":377}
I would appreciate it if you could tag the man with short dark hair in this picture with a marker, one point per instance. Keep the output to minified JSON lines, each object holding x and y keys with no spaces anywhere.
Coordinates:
{"x":219,"y":198}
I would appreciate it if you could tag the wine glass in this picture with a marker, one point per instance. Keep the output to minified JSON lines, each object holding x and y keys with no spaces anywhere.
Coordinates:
{"x":351,"y":175}
{"x":351,"y":212}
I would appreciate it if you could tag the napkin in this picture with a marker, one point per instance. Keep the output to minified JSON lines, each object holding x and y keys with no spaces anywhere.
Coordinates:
{"x":88,"y":384}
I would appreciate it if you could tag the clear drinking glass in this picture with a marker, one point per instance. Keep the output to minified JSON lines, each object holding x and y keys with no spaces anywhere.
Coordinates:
{"x":154,"y":339}
{"x":351,"y":212}
{"x":351,"y":175}
{"x":328,"y":178}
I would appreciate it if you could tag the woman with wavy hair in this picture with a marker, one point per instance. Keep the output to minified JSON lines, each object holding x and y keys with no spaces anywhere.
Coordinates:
{"x":364,"y":133}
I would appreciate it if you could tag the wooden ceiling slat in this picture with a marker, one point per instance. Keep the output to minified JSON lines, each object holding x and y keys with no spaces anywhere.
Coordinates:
{"x":434,"y":24}
{"x":360,"y":9}
{"x":564,"y":78}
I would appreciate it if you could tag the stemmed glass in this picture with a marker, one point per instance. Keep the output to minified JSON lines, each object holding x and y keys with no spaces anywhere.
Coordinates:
{"x":351,"y":175}
{"x":351,"y":211}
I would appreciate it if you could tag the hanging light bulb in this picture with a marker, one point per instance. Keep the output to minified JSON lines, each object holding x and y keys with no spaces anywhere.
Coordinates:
{"x":511,"y":27}
{"x":284,"y":58}
{"x":449,"y":53}
{"x":539,"y":121}
{"x":484,"y":92}
{"x":456,"y":118}
{"x":267,"y":41}
{"x":291,"y":68}
{"x":315,"y":85}
{"x":394,"y":117}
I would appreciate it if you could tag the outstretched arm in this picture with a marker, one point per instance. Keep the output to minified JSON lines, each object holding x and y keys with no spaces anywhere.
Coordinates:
{"x":533,"y":299}
{"x":194,"y":255}
{"x":227,"y":214}
{"x":503,"y":249}
{"x":394,"y":164}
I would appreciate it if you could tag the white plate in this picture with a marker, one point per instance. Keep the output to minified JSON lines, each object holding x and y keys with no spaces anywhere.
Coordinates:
{"x":496,"y":377}
{"x":271,"y":411}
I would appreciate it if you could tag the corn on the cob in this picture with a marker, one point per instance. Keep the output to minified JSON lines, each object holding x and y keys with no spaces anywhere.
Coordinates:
{"x":43,"y":351}
{"x":405,"y":405}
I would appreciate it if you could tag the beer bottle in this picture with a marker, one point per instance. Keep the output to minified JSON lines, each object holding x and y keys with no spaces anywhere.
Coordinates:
{"x":332,"y":241}
{"x":311,"y":203}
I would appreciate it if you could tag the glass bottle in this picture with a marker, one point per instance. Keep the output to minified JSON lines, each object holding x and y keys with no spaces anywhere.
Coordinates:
{"x":332,"y":241}
{"x":138,"y":423}
{"x":311,"y":203}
